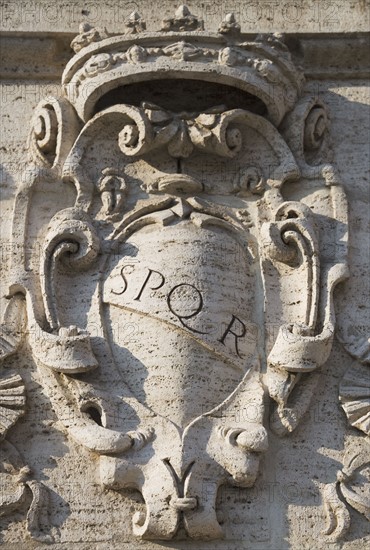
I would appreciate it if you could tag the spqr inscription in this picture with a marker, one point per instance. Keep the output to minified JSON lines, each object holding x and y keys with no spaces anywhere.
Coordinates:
{"x":184,"y":301}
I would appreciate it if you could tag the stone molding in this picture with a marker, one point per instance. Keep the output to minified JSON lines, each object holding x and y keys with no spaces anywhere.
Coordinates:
{"x":43,"y":56}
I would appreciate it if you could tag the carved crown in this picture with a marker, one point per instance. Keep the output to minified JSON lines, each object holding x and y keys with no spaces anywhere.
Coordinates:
{"x":107,"y":67}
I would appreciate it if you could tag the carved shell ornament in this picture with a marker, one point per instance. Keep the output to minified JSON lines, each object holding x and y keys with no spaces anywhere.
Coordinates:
{"x":153,"y":302}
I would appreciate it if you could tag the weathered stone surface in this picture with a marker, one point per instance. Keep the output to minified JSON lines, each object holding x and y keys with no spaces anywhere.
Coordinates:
{"x":184,"y":341}
{"x":287,"y":16}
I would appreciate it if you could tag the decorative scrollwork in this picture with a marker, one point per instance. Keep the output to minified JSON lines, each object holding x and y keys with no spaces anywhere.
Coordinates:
{"x":71,"y":238}
{"x":250,"y":181}
{"x":316,"y":125}
{"x":54,"y":128}
{"x":45,"y":130}
{"x":299,"y":347}
{"x":64,"y":349}
{"x":306,"y":130}
{"x":211,"y":131}
{"x":71,"y":233}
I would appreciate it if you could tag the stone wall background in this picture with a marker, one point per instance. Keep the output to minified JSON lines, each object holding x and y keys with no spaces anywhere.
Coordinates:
{"x":284,"y":510}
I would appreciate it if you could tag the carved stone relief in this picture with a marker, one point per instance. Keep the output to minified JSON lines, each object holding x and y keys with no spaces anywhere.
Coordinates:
{"x":186,"y":292}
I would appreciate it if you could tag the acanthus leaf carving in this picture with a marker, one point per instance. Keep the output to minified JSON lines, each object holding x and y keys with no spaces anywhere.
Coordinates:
{"x":15,"y":477}
{"x":351,"y":490}
{"x":19,"y":488}
{"x":12,"y":388}
{"x":354,"y":395}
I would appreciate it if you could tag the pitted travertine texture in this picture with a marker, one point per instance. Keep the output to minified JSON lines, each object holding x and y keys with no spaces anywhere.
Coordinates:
{"x":184,"y":339}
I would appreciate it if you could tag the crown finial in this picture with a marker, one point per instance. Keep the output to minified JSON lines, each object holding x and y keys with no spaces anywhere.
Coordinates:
{"x":183,"y":20}
{"x":134,"y":24}
{"x":87,"y":35}
{"x":182,"y":11}
{"x":229,"y":25}
{"x":275,"y":40}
